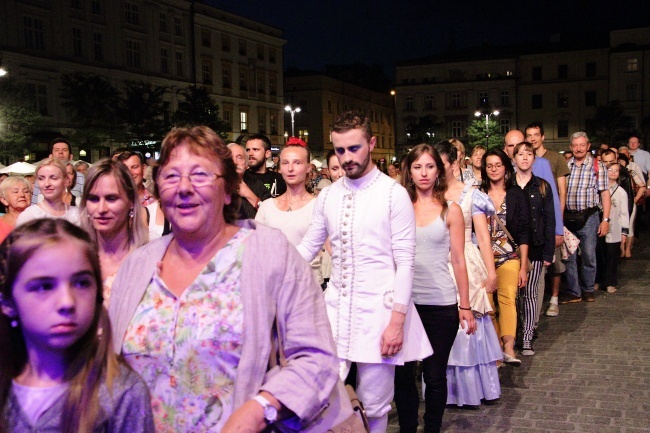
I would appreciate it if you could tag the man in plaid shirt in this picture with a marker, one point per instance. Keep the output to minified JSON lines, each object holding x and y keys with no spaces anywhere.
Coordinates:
{"x":586,"y":189}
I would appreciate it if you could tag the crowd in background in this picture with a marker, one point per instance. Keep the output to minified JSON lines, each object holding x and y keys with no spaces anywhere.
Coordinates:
{"x":484,"y":233}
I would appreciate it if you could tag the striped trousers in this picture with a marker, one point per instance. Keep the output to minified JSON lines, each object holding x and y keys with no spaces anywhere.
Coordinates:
{"x":528,"y":300}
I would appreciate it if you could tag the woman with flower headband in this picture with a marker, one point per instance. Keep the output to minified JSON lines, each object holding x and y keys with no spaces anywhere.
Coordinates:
{"x":291,"y":212}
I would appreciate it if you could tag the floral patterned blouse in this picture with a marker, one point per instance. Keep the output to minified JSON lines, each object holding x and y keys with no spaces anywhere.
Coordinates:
{"x":502,"y":247}
{"x":187,"y":348}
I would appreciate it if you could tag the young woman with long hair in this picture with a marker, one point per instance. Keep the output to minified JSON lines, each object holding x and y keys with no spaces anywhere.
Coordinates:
{"x":439,"y":234}
{"x":509,"y":230}
{"x":471,"y":370}
{"x":58,"y":372}
{"x":112,"y":214}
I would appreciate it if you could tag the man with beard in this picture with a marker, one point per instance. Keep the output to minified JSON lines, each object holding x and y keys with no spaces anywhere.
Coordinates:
{"x":371,"y":224}
{"x":252,"y":191}
{"x":258,"y":148}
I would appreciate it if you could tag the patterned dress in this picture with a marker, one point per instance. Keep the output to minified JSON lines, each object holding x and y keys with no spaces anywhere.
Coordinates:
{"x":187,"y":348}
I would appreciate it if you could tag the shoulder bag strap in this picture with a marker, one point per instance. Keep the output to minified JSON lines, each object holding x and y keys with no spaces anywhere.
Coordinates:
{"x":503,"y":227}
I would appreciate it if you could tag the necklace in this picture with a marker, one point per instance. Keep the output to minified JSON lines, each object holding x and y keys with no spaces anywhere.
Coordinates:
{"x":294,"y":201}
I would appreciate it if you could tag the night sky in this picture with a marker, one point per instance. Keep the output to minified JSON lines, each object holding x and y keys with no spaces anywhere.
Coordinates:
{"x":389,"y":31}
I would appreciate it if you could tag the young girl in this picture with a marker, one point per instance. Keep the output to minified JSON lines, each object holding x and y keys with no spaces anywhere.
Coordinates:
{"x":51,"y":178}
{"x":58,"y":372}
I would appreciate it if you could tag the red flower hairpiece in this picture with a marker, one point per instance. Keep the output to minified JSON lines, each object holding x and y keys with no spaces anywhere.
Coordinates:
{"x":295,"y":141}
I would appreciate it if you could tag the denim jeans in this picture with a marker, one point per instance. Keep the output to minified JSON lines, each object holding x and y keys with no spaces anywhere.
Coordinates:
{"x":584,"y":282}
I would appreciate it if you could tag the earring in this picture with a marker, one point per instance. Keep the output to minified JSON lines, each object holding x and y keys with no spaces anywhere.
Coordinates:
{"x":131,"y":213}
{"x":14,"y":323}
{"x":437,"y":182}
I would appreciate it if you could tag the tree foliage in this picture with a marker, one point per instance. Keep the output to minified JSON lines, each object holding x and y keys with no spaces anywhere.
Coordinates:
{"x":92,"y":103}
{"x":198,"y":108}
{"x":143,"y":112}
{"x":18,"y":120}
{"x":476,"y":134}
{"x":610,"y":124}
{"x":426,"y":130}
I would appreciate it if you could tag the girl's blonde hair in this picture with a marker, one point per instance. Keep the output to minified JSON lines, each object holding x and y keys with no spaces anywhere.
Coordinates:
{"x":90,"y":360}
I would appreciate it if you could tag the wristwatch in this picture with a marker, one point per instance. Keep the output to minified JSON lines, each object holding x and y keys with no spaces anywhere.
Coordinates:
{"x":270,"y":412}
{"x":606,"y":220}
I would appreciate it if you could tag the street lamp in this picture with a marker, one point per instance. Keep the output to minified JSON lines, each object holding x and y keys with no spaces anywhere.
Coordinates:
{"x":293,"y":111}
{"x":487,"y":114}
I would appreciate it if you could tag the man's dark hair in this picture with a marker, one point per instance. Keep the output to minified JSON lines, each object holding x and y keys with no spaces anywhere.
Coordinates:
{"x":123,"y":156}
{"x":535,"y":125}
{"x":119,"y":151}
{"x":59,"y":140}
{"x":607,"y":152}
{"x":264,"y":138}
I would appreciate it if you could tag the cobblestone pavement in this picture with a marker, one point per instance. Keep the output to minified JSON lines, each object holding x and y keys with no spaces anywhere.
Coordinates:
{"x":591,"y":370}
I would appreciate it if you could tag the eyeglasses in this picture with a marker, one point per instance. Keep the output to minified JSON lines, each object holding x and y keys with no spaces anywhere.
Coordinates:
{"x":198,"y":179}
{"x":496,"y":166}
{"x":613,"y":170}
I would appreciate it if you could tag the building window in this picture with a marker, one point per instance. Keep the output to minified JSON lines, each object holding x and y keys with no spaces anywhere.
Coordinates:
{"x":504,"y":97}
{"x":75,"y":4}
{"x":206,"y":38}
{"x":261,"y":123}
{"x":505,"y":126}
{"x":225,"y":77}
{"x":243,"y":121}
{"x":563,"y":72}
{"x":206,"y":71}
{"x":242,"y":47}
{"x":590,"y":99}
{"x":96,"y":7}
{"x":273,"y":85}
{"x":164,"y":61}
{"x":260,"y":52}
{"x":329,"y":107}
{"x":133,"y":54}
{"x":483,"y":99}
{"x":243,"y":79}
{"x":34,"y":34}
{"x":409,"y":103}
{"x":272,"y":58}
{"x":456,"y":128}
{"x":98,"y":47}
{"x":131,"y":13}
{"x":273,"y":118}
{"x":455,"y":100}
{"x":562,"y":128}
{"x":76,"y":43}
{"x":590,"y":69}
{"x":162,"y":25}
{"x":509,"y":74}
{"x":261,"y":88}
{"x":180,"y":64}
{"x":537,"y":102}
{"x":227,"y":117}
{"x":225,"y":43}
{"x":429,"y":102}
{"x":562,"y":100}
{"x":632,"y":64}
{"x":39,"y":97}
{"x":537,"y":73}
{"x":178,"y":27}
{"x":631,"y":92}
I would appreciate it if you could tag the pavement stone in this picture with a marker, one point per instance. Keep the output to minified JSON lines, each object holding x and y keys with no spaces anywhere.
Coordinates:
{"x":591,"y":370}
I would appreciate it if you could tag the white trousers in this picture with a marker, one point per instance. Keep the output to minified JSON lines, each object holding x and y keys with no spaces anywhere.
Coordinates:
{"x":375,"y":388}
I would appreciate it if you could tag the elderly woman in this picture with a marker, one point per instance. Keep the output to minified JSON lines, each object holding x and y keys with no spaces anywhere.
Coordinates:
{"x":112,"y":214}
{"x":16,"y":195}
{"x":51,"y":178}
{"x":200,"y":337}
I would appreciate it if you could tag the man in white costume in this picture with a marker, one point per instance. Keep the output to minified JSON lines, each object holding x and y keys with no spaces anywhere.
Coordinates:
{"x":371,"y":225}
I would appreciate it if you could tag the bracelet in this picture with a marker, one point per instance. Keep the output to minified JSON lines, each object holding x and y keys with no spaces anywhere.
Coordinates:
{"x":466,"y":309}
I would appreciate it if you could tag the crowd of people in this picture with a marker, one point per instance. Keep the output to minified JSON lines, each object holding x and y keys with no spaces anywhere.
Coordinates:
{"x":155,"y":297}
